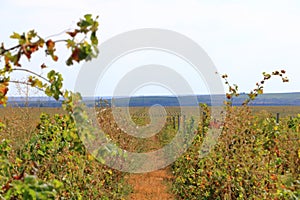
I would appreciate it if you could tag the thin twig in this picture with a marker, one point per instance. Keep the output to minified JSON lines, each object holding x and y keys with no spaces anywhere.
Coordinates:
{"x":26,"y":83}
{"x":10,"y":49}
{"x":57,"y":34}
{"x":31,"y":72}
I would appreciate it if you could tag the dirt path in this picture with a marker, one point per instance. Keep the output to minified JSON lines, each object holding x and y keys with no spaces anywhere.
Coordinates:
{"x":153,"y":185}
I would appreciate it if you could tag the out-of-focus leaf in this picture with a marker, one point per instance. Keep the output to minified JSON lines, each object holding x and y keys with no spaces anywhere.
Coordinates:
{"x":15,"y":36}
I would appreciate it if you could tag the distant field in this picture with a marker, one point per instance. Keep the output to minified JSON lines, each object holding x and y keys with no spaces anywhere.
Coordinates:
{"x":26,"y":113}
{"x":34,"y":113}
{"x":284,"y":111}
{"x":21,"y":123}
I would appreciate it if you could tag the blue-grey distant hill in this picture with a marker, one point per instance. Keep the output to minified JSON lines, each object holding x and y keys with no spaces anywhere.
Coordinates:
{"x":268,"y":99}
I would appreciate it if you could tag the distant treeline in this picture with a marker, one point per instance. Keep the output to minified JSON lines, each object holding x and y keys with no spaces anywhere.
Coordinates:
{"x":271,"y":99}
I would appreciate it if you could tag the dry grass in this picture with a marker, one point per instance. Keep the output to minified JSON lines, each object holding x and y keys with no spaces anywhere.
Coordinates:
{"x":21,"y":123}
{"x":284,"y":111}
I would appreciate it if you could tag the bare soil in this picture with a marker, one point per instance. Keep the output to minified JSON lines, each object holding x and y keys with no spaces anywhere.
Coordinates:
{"x":153,"y":185}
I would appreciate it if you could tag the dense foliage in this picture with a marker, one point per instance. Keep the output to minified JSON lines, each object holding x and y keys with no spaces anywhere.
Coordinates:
{"x":255,"y":157}
{"x":53,"y":163}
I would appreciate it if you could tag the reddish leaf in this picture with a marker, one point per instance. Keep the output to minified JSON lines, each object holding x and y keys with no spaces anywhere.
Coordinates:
{"x":7,"y":185}
{"x":55,"y":58}
{"x":3,"y":89}
{"x":73,"y":34}
{"x":43,"y":66}
{"x":50,"y":44}
{"x":33,"y":48}
{"x":75,"y":54}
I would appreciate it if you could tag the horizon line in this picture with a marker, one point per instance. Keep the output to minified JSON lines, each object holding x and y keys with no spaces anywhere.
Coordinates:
{"x":154,"y":95}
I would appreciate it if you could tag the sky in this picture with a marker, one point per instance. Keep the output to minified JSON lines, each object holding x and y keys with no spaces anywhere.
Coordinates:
{"x":242,"y":38}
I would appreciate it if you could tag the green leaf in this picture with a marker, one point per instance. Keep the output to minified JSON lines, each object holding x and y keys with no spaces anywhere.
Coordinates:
{"x":31,"y":34}
{"x":15,"y":36}
{"x":57,"y":183}
{"x":40,"y":152}
{"x":48,"y":91}
{"x":88,"y":18}
{"x":260,"y":91}
{"x":94,"y":38}
{"x":32,"y":193}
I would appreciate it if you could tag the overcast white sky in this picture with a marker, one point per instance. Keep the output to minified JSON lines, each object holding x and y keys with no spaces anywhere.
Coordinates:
{"x":243,"y":38}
